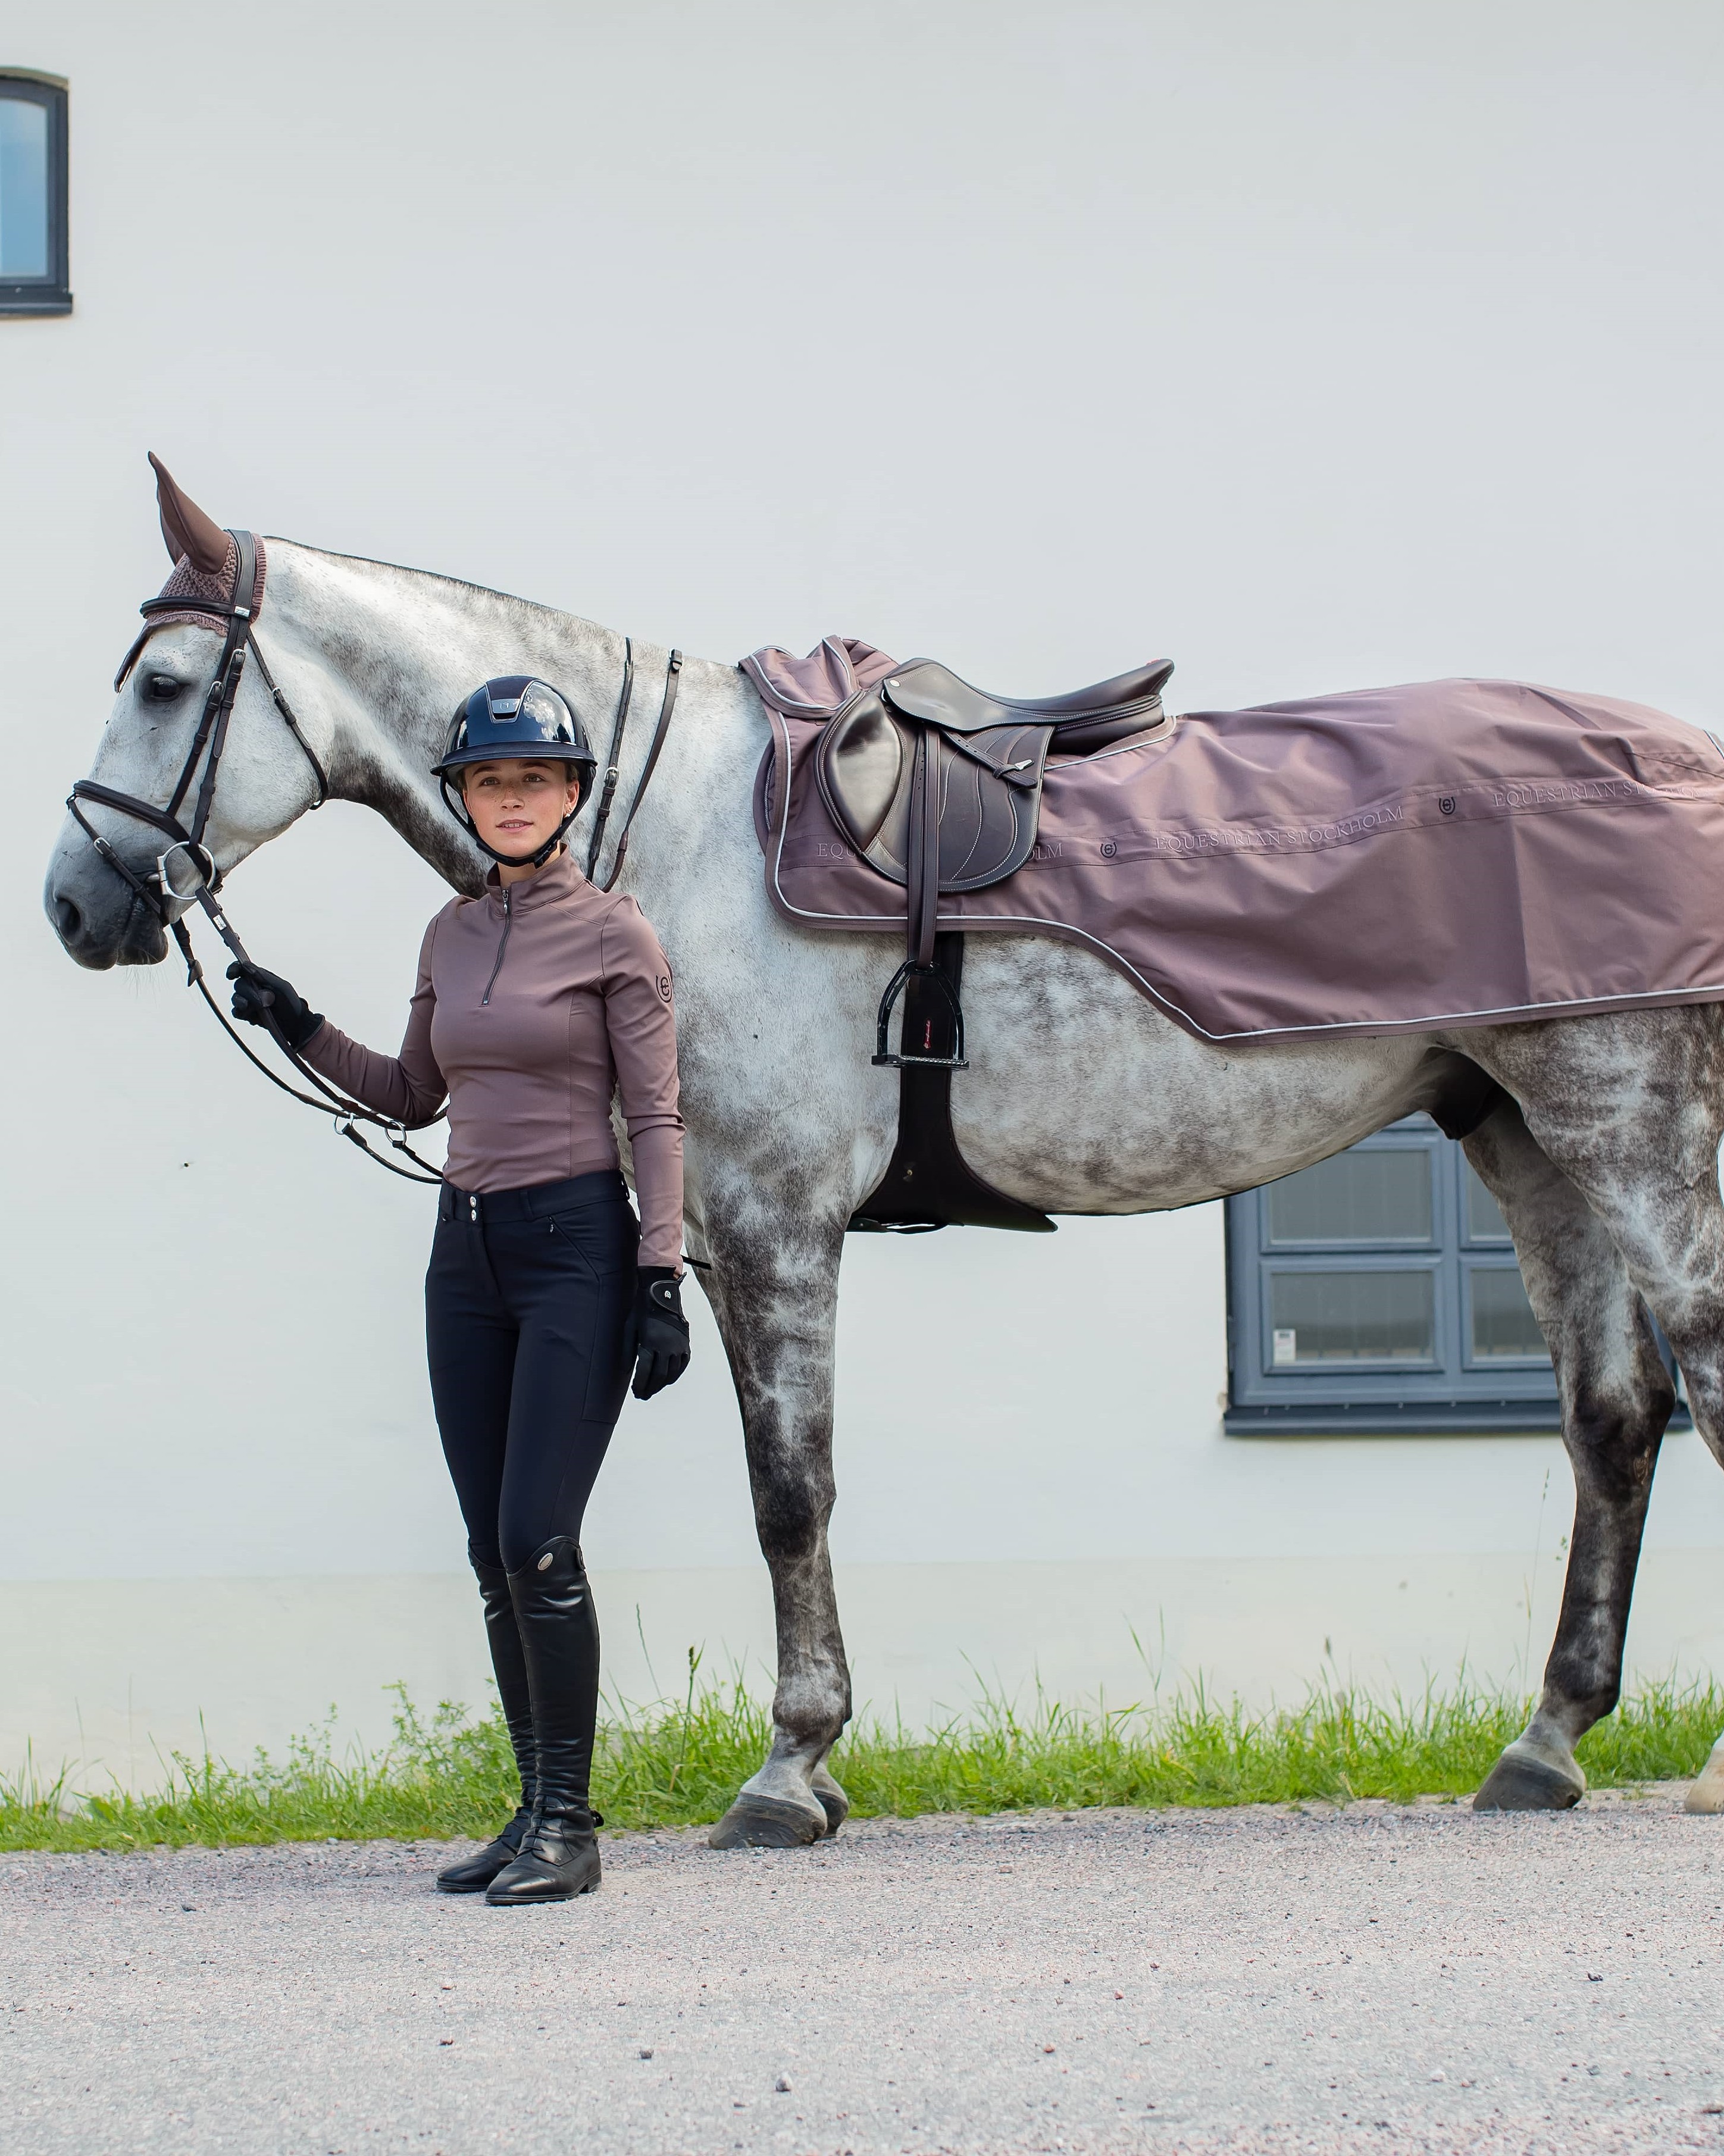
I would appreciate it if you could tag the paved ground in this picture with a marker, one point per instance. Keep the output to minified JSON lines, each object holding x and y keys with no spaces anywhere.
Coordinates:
{"x":1376,"y":1979}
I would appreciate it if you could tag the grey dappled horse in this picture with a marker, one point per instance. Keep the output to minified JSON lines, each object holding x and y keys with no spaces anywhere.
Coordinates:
{"x":1602,"y":1151}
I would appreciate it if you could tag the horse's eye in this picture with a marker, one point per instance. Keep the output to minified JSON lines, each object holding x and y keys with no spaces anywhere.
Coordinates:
{"x":162,"y":688}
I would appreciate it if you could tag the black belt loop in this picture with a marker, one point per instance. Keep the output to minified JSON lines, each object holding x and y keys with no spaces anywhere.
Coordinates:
{"x":470,"y":1214}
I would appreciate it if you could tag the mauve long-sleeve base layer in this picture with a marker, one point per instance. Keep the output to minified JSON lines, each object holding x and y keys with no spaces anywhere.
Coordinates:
{"x":534,"y":1004}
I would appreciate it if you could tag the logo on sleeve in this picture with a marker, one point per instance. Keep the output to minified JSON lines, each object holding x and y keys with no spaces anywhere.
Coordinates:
{"x":663,"y":987}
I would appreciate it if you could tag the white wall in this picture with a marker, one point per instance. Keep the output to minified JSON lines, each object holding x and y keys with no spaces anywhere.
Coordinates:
{"x":1318,"y":346}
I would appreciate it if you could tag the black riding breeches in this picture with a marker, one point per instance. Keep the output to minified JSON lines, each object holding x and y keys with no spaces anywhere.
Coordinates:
{"x":525,"y":1300}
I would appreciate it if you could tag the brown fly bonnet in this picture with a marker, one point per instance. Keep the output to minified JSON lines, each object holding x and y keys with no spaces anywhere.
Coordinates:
{"x":206,"y":561}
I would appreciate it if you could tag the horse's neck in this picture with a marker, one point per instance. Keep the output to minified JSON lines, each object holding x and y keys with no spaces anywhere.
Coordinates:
{"x":393,"y":651}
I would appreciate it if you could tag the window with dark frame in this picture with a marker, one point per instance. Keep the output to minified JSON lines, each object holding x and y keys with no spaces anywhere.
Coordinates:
{"x":1378,"y":1291}
{"x":35,"y":275}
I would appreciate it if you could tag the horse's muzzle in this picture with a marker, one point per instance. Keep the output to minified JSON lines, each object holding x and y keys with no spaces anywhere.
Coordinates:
{"x":99,"y":920}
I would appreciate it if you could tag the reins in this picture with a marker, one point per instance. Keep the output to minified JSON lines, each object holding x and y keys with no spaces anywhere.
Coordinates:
{"x":159,"y":893}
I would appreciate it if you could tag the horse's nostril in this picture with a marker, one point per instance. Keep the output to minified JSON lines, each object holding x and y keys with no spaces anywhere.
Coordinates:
{"x":67,"y":920}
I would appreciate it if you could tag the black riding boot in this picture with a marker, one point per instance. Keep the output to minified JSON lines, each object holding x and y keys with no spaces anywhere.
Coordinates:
{"x":509,"y":1665}
{"x":559,"y":1637}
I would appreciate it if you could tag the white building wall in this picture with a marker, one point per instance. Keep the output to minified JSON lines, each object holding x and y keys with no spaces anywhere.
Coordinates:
{"x":1319,"y":346}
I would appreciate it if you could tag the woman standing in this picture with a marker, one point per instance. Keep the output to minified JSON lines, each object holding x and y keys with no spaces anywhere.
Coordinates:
{"x":534,"y":1002}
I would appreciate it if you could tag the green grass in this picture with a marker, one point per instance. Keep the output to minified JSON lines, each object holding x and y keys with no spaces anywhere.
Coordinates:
{"x":679,"y":1764}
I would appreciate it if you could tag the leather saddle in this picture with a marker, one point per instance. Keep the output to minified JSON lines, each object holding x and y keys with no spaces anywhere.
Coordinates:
{"x":938,"y":785}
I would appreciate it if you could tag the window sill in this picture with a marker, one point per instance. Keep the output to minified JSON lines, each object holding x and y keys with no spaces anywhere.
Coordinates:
{"x":1415,"y":1418}
{"x":36,"y":302}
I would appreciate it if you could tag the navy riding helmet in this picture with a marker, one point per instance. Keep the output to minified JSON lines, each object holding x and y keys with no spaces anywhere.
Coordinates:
{"x":515,"y":716}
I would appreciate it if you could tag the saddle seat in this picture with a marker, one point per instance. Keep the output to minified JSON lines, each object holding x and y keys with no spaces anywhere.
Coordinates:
{"x":927,"y":690}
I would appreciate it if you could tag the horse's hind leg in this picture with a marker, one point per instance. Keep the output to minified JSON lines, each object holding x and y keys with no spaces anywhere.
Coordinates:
{"x":1616,"y":1398}
{"x":1631,"y":1109}
{"x":774,"y":1290}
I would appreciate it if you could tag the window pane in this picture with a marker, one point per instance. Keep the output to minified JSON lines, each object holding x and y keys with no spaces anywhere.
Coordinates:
{"x":1503,"y":1323}
{"x":1382,"y":1195}
{"x":1484,"y":1223}
{"x":1351,"y":1317}
{"x":24,"y":188}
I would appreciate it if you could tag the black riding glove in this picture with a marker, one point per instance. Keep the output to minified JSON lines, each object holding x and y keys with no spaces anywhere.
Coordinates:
{"x":258,"y":995}
{"x":656,"y":1334}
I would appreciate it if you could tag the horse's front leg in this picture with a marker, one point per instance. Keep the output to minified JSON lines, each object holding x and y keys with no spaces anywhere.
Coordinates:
{"x":773,"y":1287}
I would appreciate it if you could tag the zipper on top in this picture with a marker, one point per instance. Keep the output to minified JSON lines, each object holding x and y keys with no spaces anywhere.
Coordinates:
{"x":502,"y":945}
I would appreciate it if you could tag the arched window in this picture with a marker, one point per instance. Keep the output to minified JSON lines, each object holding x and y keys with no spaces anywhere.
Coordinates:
{"x":35,"y":274}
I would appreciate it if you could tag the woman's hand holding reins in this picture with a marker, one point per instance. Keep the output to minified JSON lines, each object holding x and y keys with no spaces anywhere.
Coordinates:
{"x":655,"y":1334}
{"x":260,"y":995}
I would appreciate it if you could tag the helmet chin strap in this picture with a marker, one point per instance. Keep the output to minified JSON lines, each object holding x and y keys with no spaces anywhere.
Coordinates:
{"x":457,"y":807}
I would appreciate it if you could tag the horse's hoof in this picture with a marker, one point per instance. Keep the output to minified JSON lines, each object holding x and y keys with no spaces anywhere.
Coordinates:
{"x":1524,"y":1780}
{"x":834,"y":1802}
{"x":767,"y":1823}
{"x":1706,"y":1797}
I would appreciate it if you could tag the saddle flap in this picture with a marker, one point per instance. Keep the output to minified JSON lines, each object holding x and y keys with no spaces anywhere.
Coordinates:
{"x":990,"y":800}
{"x":988,"y":784}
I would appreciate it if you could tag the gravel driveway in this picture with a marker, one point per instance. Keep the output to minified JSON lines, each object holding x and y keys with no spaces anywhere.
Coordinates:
{"x":1373,"y":1978}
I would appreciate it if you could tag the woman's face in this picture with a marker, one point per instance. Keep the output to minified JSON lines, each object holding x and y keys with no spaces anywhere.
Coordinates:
{"x":517,"y":803}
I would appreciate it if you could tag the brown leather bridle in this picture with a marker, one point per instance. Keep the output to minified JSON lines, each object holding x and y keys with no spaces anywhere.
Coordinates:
{"x":159,"y":892}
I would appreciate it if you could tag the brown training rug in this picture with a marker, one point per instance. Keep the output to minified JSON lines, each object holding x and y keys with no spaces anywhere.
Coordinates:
{"x":1445,"y":854}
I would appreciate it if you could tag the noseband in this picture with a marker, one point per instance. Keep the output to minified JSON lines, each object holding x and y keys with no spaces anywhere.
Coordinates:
{"x":158,"y":892}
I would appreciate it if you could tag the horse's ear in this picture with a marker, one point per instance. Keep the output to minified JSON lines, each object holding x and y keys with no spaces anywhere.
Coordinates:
{"x":186,"y":529}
